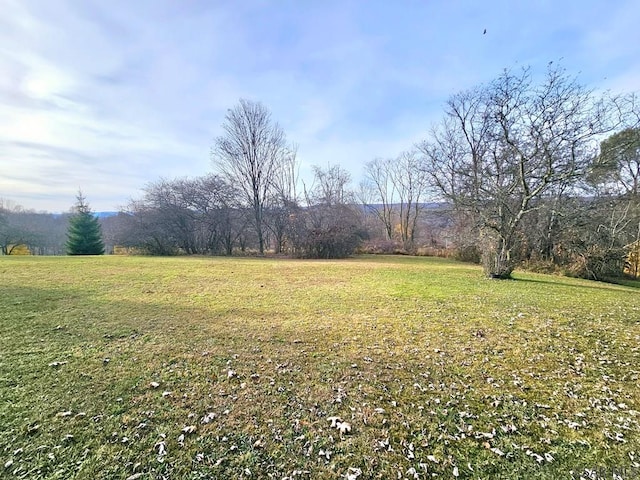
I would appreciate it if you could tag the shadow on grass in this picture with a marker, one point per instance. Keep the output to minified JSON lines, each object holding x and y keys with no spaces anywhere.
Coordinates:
{"x":62,"y":317}
{"x":596,"y":285}
{"x":625,"y":282}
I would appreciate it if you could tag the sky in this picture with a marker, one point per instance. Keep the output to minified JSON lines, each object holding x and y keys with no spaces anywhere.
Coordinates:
{"x":108,"y":96}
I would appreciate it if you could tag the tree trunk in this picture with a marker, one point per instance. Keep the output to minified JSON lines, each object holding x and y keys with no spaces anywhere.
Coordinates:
{"x":259,"y":228}
{"x":497,"y":259}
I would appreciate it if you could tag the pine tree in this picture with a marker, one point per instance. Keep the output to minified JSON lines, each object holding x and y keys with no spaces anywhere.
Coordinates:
{"x":84,"y":236}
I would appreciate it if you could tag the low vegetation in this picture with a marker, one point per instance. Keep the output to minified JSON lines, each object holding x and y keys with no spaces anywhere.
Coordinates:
{"x":373,"y":367}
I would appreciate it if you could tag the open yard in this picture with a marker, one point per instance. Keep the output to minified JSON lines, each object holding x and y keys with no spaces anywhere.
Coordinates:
{"x":145,"y":368}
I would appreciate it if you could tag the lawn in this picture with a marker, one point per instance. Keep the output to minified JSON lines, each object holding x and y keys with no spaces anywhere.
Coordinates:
{"x":372,"y":367}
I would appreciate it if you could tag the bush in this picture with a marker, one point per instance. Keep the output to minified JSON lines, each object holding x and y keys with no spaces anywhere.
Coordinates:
{"x":597,"y":263}
{"x":468,"y":254}
{"x":333,"y":242}
{"x":541,"y":266}
{"x":381,"y":247}
{"x":435,"y":252}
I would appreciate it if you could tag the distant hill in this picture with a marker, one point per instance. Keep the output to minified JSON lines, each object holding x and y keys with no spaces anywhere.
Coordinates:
{"x":424,"y":206}
{"x":105,"y":214}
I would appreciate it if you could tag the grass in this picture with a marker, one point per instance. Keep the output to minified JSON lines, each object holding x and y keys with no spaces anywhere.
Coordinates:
{"x":140,"y":368}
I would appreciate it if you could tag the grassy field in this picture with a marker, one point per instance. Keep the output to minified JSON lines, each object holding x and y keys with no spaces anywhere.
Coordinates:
{"x":140,"y":368}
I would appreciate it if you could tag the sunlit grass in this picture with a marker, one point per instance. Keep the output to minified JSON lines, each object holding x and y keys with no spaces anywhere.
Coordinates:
{"x":115,"y":367}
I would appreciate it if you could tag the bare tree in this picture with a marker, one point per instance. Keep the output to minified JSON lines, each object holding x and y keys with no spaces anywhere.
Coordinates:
{"x":42,"y":233}
{"x":396,"y":188}
{"x":618,"y":165}
{"x":250,"y":154}
{"x":12,"y":235}
{"x":284,"y":202}
{"x":330,"y":186}
{"x":285,"y":182}
{"x":329,"y":225}
{"x":410,"y":182}
{"x":377,"y":192}
{"x":193,"y":216}
{"x":504,"y":146}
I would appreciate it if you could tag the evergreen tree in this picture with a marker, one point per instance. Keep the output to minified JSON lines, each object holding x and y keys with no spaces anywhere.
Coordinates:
{"x":84,"y":236}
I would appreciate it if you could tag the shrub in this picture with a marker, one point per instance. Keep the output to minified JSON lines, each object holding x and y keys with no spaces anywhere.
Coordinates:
{"x":332,"y":242}
{"x":597,"y":263}
{"x":469,"y":254}
{"x":380,"y":247}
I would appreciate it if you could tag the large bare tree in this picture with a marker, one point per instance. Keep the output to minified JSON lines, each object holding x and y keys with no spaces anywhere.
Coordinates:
{"x":250,"y":154}
{"x":503,"y":147}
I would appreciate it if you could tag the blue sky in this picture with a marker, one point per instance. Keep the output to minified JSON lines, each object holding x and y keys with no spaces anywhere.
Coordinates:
{"x":107,"y":96}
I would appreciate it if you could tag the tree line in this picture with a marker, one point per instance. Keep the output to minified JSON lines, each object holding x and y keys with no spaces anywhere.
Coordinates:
{"x":28,"y":231}
{"x":518,"y":171}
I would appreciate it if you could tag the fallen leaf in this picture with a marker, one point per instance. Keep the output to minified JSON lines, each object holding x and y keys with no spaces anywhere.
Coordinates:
{"x":352,"y":473}
{"x":344,"y":427}
{"x":162,"y":448}
{"x":208,"y":418}
{"x":324,"y":453}
{"x":34,"y":428}
{"x":334,"y":421}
